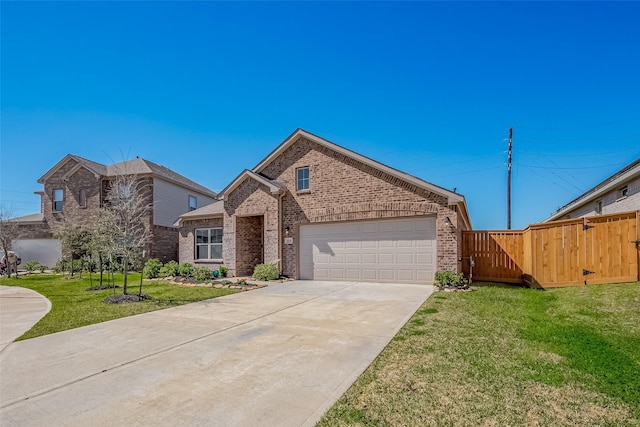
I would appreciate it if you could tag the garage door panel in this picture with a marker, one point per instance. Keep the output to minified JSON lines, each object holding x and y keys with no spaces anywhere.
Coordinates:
{"x":387,"y":274}
{"x":386,"y":258}
{"x":352,"y":259}
{"x":405,"y":243}
{"x":405,"y":275}
{"x":402,"y":250}
{"x":407,"y":258}
{"x":369,"y":258}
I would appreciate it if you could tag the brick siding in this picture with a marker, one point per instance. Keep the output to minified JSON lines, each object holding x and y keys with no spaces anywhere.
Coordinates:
{"x":186,"y":239}
{"x":342,"y":188}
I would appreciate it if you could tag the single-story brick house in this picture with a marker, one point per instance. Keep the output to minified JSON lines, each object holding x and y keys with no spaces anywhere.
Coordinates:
{"x":324,"y":212}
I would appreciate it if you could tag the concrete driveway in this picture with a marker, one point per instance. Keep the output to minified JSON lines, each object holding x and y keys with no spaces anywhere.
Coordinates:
{"x":20,"y":309}
{"x":277,"y":356}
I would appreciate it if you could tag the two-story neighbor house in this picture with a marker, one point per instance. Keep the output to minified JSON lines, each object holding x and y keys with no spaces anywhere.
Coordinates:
{"x":75,"y":188}
{"x":324,"y":212}
{"x":618,"y":193}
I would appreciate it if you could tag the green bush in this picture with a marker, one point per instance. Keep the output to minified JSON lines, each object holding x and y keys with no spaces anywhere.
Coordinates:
{"x":266,"y":272}
{"x":186,"y":269}
{"x":449,"y":278}
{"x":32,"y":266}
{"x":152,"y":268}
{"x":202,"y":273}
{"x":169,"y":269}
{"x":42,"y":268}
{"x":223,"y":271}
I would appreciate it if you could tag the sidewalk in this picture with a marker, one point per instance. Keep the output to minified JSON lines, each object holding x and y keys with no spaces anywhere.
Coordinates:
{"x":20,"y":309}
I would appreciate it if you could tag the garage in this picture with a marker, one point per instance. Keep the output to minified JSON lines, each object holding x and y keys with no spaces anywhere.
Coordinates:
{"x":390,"y":250}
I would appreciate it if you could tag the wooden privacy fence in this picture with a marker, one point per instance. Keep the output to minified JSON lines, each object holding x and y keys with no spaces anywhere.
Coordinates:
{"x":601,"y":249}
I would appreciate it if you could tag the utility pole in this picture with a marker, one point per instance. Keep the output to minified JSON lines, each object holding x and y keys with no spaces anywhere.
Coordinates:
{"x":509,"y":179}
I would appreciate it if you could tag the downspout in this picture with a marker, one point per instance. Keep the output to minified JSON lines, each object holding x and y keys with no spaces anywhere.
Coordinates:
{"x":280,"y":232}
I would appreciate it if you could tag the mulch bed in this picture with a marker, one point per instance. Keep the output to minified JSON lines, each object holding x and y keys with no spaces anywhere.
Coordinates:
{"x":102,"y":287}
{"x":125,"y":298}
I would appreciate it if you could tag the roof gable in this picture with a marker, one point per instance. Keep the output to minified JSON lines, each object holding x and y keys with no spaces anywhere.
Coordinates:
{"x":274,"y":186}
{"x":295,"y":136}
{"x":93,"y":167}
{"x":137,"y":166}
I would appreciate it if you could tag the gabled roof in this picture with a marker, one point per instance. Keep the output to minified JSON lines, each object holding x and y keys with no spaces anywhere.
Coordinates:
{"x":139,"y":166}
{"x":136,"y":166}
{"x":451,"y":196}
{"x":95,"y":168}
{"x":274,"y":186}
{"x":211,"y":210}
{"x":625,"y":174}
{"x":29,"y":219}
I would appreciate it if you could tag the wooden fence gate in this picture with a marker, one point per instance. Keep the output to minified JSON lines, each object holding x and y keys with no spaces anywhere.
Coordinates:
{"x":601,"y":249}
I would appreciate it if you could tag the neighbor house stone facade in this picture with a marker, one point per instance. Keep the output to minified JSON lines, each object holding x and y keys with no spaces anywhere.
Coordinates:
{"x":262,"y":210}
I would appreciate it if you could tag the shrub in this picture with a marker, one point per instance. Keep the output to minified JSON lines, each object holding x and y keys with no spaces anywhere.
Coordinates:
{"x":59,"y":267}
{"x":266,"y":272}
{"x":42,"y":268}
{"x":202,"y":273}
{"x":223,"y":271}
{"x":169,"y":269}
{"x":186,"y":269}
{"x":449,"y":278}
{"x":152,"y":268}
{"x":31,"y":266}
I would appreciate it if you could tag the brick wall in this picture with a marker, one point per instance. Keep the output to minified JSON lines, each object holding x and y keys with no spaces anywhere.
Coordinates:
{"x":165,"y":243}
{"x":186,"y":239}
{"x":342,"y":188}
{"x":250,"y":198}
{"x":80,"y":180}
{"x":249,"y":244}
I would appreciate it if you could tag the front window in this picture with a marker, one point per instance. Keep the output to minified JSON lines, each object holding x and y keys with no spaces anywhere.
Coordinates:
{"x":193,"y":203}
{"x":599,"y":207}
{"x":58,"y":200}
{"x":209,"y":243}
{"x":302,"y":179}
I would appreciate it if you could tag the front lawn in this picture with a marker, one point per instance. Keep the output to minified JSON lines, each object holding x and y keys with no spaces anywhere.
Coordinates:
{"x":73,"y":306}
{"x":507,"y":356}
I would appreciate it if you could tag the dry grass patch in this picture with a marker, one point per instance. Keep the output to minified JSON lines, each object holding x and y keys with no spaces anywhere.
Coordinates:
{"x":507,"y":356}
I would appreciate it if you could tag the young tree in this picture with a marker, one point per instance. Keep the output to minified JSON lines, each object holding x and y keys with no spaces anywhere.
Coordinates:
{"x":127,"y":210}
{"x":74,"y":239}
{"x":8,"y":233}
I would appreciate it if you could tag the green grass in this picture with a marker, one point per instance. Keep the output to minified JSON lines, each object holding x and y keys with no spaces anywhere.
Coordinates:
{"x":73,"y":306}
{"x":507,"y":356}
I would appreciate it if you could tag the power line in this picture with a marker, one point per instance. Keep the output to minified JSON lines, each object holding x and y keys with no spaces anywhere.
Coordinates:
{"x":576,"y":168}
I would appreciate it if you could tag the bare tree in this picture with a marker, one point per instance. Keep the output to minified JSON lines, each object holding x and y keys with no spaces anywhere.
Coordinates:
{"x":8,"y":233}
{"x":127,"y":209}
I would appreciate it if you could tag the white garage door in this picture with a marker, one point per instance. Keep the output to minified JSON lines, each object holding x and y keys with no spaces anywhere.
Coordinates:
{"x":397,"y":250}
{"x":45,"y":251}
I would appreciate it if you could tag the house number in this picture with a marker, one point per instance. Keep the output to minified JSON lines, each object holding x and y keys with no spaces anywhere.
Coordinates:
{"x":288,"y":240}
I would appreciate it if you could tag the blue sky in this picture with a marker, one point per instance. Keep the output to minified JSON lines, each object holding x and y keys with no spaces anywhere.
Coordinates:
{"x":430,"y":88}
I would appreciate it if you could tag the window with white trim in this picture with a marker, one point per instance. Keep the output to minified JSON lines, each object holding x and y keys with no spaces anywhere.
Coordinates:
{"x":208,"y":243}
{"x":193,"y":203}
{"x":302,"y":179}
{"x":58,"y":199}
